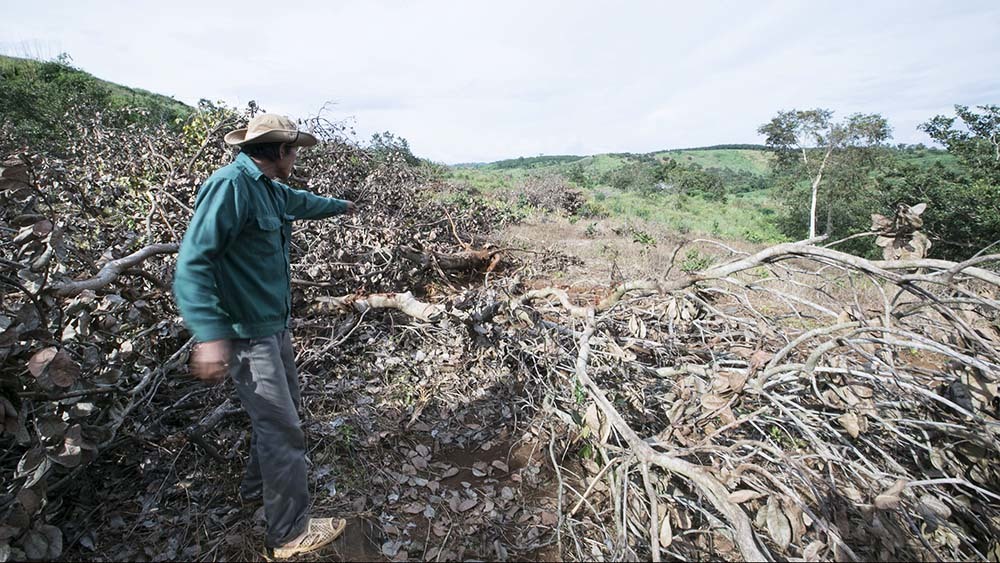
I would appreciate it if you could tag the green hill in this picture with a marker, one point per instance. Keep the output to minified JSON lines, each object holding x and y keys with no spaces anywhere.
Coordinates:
{"x":37,"y":96}
{"x":754,"y":161}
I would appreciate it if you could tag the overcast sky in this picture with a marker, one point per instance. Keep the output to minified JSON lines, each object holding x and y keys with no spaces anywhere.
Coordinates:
{"x":479,"y":81}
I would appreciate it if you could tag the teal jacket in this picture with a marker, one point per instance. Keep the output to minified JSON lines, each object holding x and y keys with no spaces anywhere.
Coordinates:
{"x":233,"y":277}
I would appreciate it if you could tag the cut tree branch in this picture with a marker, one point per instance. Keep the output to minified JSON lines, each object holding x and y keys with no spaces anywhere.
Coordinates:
{"x":458,"y":262}
{"x":403,"y":302}
{"x":110,"y":272}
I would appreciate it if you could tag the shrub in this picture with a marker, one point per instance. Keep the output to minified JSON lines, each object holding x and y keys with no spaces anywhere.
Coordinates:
{"x":550,"y":193}
{"x":593,"y":210}
{"x":695,"y":261}
{"x":642,"y":237}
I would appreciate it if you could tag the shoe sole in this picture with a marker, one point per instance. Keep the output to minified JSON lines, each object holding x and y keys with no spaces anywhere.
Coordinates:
{"x":285,"y":553}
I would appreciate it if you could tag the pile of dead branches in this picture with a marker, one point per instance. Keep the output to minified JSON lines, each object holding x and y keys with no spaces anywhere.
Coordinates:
{"x":93,"y":351}
{"x":798,"y":402}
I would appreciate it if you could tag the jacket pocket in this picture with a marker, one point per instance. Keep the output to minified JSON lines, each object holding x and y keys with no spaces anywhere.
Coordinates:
{"x":264,"y":235}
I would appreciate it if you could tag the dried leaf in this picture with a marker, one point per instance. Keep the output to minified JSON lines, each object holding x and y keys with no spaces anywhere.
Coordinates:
{"x":56,"y":364}
{"x":850,"y":423}
{"x":721,"y":383}
{"x":391,"y":548}
{"x":40,"y":360}
{"x":414,"y":508}
{"x":53,"y":537}
{"x":743,"y":495}
{"x":738,"y":380}
{"x":937,"y":460}
{"x":666,"y":533}
{"x":881,"y":223}
{"x":898,"y":487}
{"x":466,"y":505}
{"x":42,"y":228}
{"x":795,"y":519}
{"x":10,"y":421}
{"x":597,"y":423}
{"x":777,"y":524}
{"x":935,"y":505}
{"x":812,"y":551}
{"x":889,"y":499}
{"x":34,"y":464}
{"x":726,"y":415}
{"x":35,"y":545}
{"x":862,"y":391}
{"x":30,"y":499}
{"x":71,"y":452}
{"x":760,"y":359}
{"x":833,"y":398}
{"x":50,"y":426}
{"x":712,"y":402}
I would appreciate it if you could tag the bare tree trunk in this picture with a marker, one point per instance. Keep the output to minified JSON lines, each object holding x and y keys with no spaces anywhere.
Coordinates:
{"x":815,"y":191}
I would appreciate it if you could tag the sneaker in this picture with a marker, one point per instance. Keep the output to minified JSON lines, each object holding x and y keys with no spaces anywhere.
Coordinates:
{"x":320,"y":532}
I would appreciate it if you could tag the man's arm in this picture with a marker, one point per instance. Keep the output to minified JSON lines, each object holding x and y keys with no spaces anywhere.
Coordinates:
{"x":219,"y":216}
{"x":306,"y":205}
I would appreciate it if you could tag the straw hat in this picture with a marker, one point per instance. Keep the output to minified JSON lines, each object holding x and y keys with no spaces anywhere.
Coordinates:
{"x":270,"y":128}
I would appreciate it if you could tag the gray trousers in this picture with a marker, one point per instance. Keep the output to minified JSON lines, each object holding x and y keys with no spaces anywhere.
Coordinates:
{"x":263,"y":370}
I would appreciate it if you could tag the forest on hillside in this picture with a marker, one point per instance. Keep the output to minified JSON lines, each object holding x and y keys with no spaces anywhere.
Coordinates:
{"x":827,"y":397}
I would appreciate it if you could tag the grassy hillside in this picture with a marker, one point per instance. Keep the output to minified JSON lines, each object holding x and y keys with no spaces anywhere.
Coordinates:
{"x":726,"y":191}
{"x":637,"y":187}
{"x":36,"y":97}
{"x":120,"y":95}
{"x":754,"y":161}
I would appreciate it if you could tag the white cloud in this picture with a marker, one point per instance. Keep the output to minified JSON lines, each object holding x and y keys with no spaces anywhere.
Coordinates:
{"x":468,"y":81}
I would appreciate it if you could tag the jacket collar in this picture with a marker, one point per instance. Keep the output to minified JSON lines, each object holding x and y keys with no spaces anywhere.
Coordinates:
{"x":245,"y":163}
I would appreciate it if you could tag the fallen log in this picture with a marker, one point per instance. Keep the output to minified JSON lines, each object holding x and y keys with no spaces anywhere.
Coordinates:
{"x":403,"y":302}
{"x":457,"y":262}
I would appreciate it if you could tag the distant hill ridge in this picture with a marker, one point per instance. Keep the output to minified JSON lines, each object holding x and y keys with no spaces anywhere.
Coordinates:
{"x":543,"y":161}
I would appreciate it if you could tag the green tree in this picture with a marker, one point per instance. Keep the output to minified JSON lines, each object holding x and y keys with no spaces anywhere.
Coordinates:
{"x":963,"y":198}
{"x":811,"y":146}
{"x":976,"y":144}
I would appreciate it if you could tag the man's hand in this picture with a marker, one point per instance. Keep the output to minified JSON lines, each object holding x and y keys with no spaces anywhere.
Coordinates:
{"x":210,"y":360}
{"x":351,"y":207}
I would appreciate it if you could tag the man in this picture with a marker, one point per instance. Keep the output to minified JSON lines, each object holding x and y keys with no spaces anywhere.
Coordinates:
{"x":233,"y":288}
